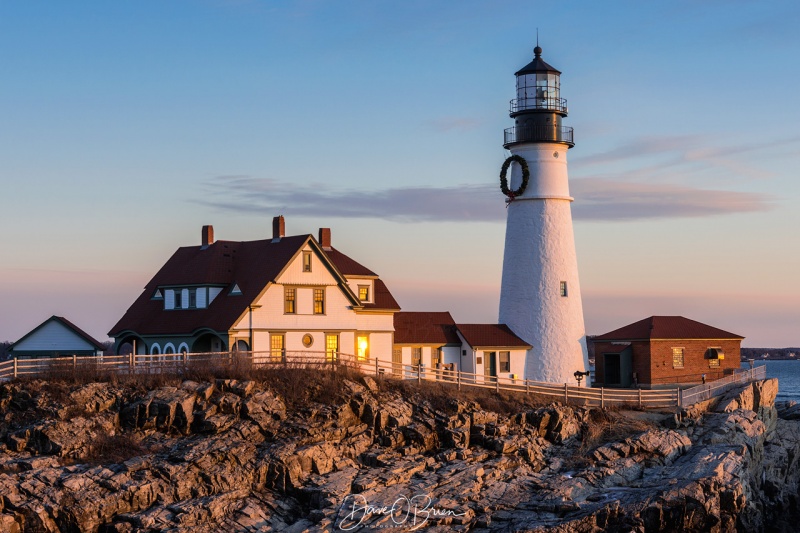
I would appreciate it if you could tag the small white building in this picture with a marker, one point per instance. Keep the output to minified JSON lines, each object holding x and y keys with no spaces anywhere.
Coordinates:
{"x":55,"y":337}
{"x":434,"y":341}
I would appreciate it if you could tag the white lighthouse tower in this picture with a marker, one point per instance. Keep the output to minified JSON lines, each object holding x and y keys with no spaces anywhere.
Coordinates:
{"x":540,"y":297}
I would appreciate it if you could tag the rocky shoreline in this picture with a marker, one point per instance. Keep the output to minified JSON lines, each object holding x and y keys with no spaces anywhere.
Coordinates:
{"x":239,"y":455}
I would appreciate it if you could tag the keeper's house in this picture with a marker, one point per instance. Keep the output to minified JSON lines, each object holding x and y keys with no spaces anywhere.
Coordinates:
{"x":283,"y":296}
{"x":663,"y":351}
{"x":55,"y":337}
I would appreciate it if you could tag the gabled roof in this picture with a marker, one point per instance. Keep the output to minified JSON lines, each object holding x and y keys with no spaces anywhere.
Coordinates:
{"x":67,"y":324}
{"x":666,"y":327}
{"x":491,"y":336}
{"x":348,"y":266}
{"x":383,"y":298}
{"x":422,"y":327}
{"x":249,"y":265}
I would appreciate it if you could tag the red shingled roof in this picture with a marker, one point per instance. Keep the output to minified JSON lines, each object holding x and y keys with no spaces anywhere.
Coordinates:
{"x":348,"y":266}
{"x":491,"y":335}
{"x":666,"y":327}
{"x":423,"y":327}
{"x":383,"y":298}
{"x":249,"y":264}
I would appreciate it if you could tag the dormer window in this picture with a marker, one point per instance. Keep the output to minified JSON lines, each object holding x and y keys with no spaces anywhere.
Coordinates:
{"x":178,"y":299}
{"x":363,"y":293}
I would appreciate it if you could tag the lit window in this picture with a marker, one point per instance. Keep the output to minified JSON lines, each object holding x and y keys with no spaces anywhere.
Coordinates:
{"x":563,"y":288}
{"x":713,"y":363}
{"x":277,"y":347}
{"x":505,"y":361}
{"x":331,"y":347}
{"x":362,"y":343}
{"x":363,"y":293}
{"x":319,"y":301}
{"x":290,"y":296}
{"x":306,"y":261}
{"x":677,"y":358}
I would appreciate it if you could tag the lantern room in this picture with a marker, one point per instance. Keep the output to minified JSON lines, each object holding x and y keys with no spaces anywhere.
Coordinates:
{"x":538,"y":108}
{"x":538,"y":87}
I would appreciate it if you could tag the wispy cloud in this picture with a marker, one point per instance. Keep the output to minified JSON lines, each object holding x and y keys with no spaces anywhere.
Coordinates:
{"x":602,"y":199}
{"x":596,"y":199}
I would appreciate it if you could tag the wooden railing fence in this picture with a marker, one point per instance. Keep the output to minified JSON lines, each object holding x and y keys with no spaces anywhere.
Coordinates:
{"x":602,"y":397}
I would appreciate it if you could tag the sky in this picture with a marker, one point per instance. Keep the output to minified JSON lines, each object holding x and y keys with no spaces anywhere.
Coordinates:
{"x":127,"y":126}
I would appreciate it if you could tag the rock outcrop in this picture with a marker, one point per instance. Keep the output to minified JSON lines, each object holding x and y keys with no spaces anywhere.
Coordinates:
{"x":232,"y":456}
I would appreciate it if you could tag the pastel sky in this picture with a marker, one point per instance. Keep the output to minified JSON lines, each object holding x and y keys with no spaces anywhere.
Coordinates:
{"x":126,"y":126}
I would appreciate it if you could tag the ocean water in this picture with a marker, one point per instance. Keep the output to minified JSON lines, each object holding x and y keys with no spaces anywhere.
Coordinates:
{"x":788,"y":374}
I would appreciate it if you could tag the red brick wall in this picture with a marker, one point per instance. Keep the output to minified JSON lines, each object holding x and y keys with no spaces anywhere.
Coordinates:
{"x":652,"y":361}
{"x":694,"y":362}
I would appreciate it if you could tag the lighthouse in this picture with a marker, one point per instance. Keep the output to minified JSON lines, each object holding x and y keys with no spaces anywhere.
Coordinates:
{"x":540,"y":297}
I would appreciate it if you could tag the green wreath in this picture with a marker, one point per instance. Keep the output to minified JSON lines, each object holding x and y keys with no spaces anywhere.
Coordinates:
{"x":525,"y":175}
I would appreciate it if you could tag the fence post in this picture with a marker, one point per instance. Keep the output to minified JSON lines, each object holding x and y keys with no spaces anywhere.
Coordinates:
{"x":376,"y":367}
{"x":15,"y":367}
{"x":458,"y":376}
{"x":527,"y":386}
{"x":680,"y":397}
{"x":74,"y":362}
{"x":497,"y":385}
{"x":419,"y":373}
{"x":566,"y":393}
{"x":602,"y":398}
{"x":640,"y":398}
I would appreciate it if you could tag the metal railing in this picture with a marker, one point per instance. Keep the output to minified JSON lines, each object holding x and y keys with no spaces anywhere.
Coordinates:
{"x":517,"y":134}
{"x":549,"y":104}
{"x":717,"y":387}
{"x":158,"y":363}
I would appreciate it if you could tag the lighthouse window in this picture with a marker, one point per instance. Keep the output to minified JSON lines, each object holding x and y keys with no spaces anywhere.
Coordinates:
{"x":563,"y":288}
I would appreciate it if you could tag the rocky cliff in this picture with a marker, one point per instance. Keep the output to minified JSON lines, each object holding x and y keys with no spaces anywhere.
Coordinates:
{"x":347,"y":453}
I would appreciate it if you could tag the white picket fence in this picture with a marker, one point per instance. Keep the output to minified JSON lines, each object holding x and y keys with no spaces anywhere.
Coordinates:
{"x":145,"y":364}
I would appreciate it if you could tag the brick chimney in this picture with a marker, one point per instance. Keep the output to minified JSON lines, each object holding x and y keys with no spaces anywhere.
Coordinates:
{"x":278,"y":228}
{"x":325,"y":238}
{"x":207,"y":236}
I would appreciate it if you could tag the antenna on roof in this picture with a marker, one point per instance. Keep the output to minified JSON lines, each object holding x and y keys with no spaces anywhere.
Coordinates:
{"x":537,"y":36}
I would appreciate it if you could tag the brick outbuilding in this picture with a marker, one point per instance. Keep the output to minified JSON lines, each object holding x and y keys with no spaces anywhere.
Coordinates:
{"x":663,"y":351}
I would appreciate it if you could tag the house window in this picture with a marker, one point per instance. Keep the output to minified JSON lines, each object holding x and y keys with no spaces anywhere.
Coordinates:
{"x":505,"y":361}
{"x":178,"y":299}
{"x":416,"y":355}
{"x":436,"y":357}
{"x":362,"y":346}
{"x":397,"y":360}
{"x":306,"y":261}
{"x":319,"y":301}
{"x":677,"y":358}
{"x":289,"y":300}
{"x":277,"y":345}
{"x":713,"y":363}
{"x":192,"y":298}
{"x":563,"y":288}
{"x":331,"y":347}
{"x":363,"y":293}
